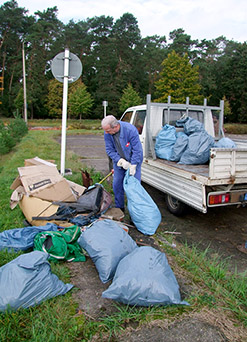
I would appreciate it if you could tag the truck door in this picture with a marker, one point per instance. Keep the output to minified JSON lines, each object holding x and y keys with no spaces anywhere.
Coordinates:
{"x":137,"y":118}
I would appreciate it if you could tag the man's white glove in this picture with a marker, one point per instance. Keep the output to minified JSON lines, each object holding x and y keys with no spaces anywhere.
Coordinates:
{"x":123,"y":163}
{"x":132,"y":170}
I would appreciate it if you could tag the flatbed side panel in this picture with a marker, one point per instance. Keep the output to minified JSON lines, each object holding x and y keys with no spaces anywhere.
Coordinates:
{"x":228,"y":164}
{"x":186,"y":190}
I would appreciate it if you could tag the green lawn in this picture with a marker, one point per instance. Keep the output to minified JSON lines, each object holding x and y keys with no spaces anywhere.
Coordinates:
{"x":56,"y":320}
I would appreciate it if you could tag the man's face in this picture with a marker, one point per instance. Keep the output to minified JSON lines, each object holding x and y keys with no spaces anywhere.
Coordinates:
{"x":109,"y":130}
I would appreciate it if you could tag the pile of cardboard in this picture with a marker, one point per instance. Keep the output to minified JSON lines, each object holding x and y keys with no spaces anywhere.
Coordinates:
{"x":38,"y":185}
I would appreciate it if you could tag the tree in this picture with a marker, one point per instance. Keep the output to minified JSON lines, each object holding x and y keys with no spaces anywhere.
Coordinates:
{"x":129,"y":98}
{"x":153,"y":50}
{"x":54,"y":99}
{"x":41,"y":48}
{"x":14,"y":25}
{"x":80,"y":101}
{"x":182,"y":43}
{"x":179,"y":79}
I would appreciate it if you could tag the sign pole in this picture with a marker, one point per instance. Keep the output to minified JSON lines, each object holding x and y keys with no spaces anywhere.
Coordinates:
{"x":104,"y":104}
{"x":64,"y":111}
{"x":66,"y":68}
{"x":24,"y":83}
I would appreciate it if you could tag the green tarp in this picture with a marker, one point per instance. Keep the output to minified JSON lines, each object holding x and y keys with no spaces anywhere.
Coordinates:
{"x":60,"y":245}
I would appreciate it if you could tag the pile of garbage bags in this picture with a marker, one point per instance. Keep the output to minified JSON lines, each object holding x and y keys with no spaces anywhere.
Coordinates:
{"x":190,"y":146}
{"x":140,"y":275}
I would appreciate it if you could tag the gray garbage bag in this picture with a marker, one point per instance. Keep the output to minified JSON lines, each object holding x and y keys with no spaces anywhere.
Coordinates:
{"x":190,"y":125}
{"x":21,"y":239}
{"x":179,"y":146}
{"x":106,"y":243}
{"x":27,"y":281}
{"x":225,"y":143}
{"x":144,"y":278}
{"x":198,"y":148}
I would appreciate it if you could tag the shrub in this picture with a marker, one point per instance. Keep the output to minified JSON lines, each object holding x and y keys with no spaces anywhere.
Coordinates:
{"x":11,"y":134}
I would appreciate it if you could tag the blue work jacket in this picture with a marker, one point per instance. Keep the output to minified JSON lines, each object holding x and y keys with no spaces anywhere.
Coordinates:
{"x":130,"y":142}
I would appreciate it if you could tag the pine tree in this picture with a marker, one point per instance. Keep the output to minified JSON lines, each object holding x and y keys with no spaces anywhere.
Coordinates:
{"x":129,"y":98}
{"x":80,"y":101}
{"x":179,"y":79}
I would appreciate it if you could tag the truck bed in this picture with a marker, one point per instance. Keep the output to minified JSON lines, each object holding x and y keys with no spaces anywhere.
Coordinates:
{"x":226,"y":166}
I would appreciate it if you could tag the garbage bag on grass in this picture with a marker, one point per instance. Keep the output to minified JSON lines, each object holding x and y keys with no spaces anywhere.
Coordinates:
{"x":23,"y":238}
{"x":165,"y":141}
{"x":27,"y":281}
{"x":144,"y":278}
{"x":142,"y":209}
{"x":106,"y":243}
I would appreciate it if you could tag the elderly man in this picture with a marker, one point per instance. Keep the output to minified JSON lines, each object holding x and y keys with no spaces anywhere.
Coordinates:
{"x":123,"y":146}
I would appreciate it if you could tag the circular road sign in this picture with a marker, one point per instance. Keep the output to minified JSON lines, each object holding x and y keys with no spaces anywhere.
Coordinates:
{"x":75,"y":67}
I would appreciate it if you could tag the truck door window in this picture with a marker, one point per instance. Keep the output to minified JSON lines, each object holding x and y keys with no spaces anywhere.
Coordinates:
{"x":139,"y":120}
{"x":127,"y":116}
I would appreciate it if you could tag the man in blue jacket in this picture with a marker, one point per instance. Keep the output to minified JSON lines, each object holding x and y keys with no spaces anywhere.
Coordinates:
{"x":123,"y":146}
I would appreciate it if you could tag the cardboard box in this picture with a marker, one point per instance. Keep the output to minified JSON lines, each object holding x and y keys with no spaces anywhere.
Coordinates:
{"x":39,"y":161}
{"x":35,"y":207}
{"x":44,"y":182}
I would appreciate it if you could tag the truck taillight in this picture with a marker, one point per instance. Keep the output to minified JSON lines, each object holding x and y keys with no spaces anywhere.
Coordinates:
{"x":218,"y":199}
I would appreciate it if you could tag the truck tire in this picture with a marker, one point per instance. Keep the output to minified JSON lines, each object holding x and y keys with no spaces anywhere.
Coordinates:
{"x":175,"y":206}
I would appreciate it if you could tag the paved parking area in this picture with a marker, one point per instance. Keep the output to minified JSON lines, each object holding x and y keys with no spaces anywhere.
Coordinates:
{"x":91,"y":149}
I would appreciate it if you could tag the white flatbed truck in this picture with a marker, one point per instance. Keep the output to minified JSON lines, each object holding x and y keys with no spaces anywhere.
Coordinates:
{"x":221,"y":182}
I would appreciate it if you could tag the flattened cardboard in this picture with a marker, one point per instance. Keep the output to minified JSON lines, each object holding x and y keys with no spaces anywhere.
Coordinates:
{"x":33,"y":207}
{"x":39,"y":161}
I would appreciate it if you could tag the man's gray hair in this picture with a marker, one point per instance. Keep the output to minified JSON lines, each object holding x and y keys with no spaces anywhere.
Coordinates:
{"x":109,"y":120}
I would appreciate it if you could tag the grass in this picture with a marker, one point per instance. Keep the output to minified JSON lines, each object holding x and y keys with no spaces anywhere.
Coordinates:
{"x":213,"y":291}
{"x":234,"y":128}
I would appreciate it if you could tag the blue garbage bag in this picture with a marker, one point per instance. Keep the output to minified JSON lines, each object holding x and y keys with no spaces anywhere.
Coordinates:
{"x":225,"y":143}
{"x":144,"y":278}
{"x":179,"y":146}
{"x":165,"y":141}
{"x":27,"y":280}
{"x":106,"y":243}
{"x":142,"y":209}
{"x":198,"y":148}
{"x":21,"y":239}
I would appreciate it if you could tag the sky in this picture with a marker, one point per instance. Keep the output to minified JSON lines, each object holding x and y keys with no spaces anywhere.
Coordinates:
{"x":201,"y":19}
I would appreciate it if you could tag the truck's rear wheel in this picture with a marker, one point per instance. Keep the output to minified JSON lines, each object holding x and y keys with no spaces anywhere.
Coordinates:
{"x":175,"y":206}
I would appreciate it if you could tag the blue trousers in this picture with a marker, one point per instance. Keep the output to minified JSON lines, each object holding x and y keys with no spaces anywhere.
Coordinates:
{"x":118,"y":178}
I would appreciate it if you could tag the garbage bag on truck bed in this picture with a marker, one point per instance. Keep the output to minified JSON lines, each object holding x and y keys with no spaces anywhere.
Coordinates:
{"x":179,"y":146}
{"x":198,"y":148}
{"x":27,"y":281}
{"x":165,"y":141}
